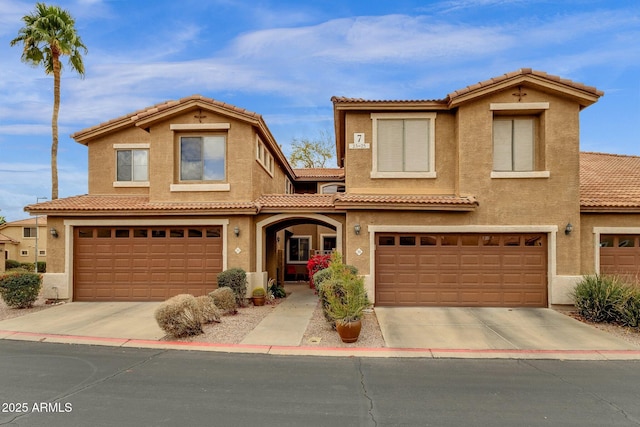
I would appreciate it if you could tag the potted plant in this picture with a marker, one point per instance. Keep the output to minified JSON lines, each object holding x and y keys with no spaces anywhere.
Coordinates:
{"x":258,"y":296}
{"x":345,"y":298}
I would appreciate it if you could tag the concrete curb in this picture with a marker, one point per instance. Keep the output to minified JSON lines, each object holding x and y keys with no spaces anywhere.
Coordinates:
{"x":441,"y":353}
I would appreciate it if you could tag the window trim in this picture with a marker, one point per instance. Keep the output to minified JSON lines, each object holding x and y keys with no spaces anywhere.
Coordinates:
{"x":24,"y":229}
{"x":264,"y":156}
{"x":298,"y":236}
{"x":131,"y":147}
{"x":431,"y":173}
{"x":288,"y":186}
{"x":521,"y":109}
{"x":336,"y":184}
{"x":203,"y":184}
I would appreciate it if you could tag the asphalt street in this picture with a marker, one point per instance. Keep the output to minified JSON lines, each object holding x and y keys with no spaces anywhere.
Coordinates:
{"x":75,"y":385}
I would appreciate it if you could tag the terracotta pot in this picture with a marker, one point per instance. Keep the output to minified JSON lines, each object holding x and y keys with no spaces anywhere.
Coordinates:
{"x":258,"y":300}
{"x":349,"y":332}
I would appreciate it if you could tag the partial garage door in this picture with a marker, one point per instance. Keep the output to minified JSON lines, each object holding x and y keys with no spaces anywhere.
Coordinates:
{"x":145,"y":263}
{"x":482,"y":270}
{"x":620,"y":254}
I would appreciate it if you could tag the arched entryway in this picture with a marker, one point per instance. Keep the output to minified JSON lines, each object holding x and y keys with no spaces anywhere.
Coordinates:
{"x":268,"y":228}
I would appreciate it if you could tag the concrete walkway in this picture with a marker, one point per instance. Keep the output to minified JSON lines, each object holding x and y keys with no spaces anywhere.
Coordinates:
{"x":287,"y":323}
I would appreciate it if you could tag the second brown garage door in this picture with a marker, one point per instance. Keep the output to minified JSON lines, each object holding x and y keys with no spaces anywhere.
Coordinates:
{"x":482,"y":270}
{"x":145,"y":263}
{"x":620,"y":254}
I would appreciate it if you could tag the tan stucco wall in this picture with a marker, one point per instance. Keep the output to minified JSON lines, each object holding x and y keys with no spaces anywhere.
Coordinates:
{"x":525,"y":201}
{"x":16,"y":233}
{"x":358,"y":162}
{"x":247,"y":178}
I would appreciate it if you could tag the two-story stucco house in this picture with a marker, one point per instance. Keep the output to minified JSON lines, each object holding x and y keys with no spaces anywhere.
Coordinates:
{"x":24,"y":240}
{"x":470,"y":200}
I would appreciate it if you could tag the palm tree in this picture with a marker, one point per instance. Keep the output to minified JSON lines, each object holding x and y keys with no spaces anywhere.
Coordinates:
{"x":48,"y":34}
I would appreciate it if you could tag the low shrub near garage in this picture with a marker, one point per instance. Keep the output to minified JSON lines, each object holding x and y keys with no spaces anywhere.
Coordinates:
{"x":598,"y":297}
{"x":628,"y":309}
{"x":209,"y":313}
{"x":180,"y":316}
{"x":608,"y":299}
{"x":224,"y":299}
{"x":236,"y":279}
{"x":20,"y":289}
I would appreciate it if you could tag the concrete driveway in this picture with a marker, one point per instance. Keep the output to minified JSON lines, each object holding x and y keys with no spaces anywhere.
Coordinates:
{"x":491,"y":328}
{"x":132,"y":320}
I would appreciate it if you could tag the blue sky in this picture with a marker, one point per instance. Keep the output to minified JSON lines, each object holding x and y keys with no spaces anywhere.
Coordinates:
{"x":285,"y":59}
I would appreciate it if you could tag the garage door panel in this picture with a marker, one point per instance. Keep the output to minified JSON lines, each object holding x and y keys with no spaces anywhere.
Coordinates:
{"x":145,"y":269}
{"x":469,"y":270}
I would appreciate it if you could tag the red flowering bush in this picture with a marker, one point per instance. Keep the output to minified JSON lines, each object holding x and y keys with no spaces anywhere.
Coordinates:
{"x":315,"y":264}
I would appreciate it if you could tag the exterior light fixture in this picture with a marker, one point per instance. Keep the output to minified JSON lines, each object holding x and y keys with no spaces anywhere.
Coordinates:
{"x":54,"y":232}
{"x":356,"y":229}
{"x":568,"y":229}
{"x":236,"y":231}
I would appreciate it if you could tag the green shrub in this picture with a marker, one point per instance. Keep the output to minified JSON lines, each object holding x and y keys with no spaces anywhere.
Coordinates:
{"x":20,"y":290}
{"x":628,"y":310}
{"x":180,"y":316}
{"x":27,"y":266}
{"x":276,"y":290}
{"x":10,"y":264}
{"x":597,"y":298}
{"x":341,"y":291}
{"x":224,"y":299}
{"x":236,"y":279}
{"x":209,"y":313}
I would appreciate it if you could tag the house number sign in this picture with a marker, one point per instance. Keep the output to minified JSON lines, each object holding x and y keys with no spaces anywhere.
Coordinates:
{"x":358,"y":142}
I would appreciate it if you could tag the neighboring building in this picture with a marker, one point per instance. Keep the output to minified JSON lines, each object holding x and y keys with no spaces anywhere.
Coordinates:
{"x":19,"y":238}
{"x":470,"y":200}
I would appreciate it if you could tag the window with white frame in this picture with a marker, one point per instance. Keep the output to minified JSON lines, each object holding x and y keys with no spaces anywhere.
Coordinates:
{"x":264,"y":157}
{"x":29,"y":232}
{"x":514,"y":144}
{"x":403,"y":145}
{"x":518,"y":140}
{"x":24,"y":252}
{"x":288,"y":186}
{"x":202,"y":158}
{"x":132,"y":165}
{"x":298,"y":249}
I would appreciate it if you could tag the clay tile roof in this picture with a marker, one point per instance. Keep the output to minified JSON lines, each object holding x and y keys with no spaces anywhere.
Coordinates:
{"x":158,"y":108}
{"x":42,"y":221}
{"x":329,"y":173}
{"x":124,"y":204}
{"x":347,"y":100}
{"x":295,"y":201}
{"x":364,"y":201}
{"x":525,"y":71}
{"x":5,"y":239}
{"x":609,"y":182}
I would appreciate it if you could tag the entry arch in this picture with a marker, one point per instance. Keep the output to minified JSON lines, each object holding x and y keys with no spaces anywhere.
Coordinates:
{"x":261,"y":226}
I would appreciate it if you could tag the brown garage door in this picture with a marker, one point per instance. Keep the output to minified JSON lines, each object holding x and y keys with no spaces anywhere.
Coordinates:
{"x":620,"y":254}
{"x":487,"y":270}
{"x":145,"y":263}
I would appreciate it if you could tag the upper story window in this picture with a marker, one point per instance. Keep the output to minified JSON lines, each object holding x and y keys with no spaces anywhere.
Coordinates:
{"x":518,"y":140}
{"x":288,"y":186}
{"x":202,"y":158}
{"x":403,"y":145}
{"x":514,"y":144}
{"x":29,"y":232}
{"x":332,"y":188}
{"x":132,"y":165}
{"x":264,"y":157}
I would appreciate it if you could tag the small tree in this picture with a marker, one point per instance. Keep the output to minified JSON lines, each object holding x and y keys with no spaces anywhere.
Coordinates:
{"x":307,"y":153}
